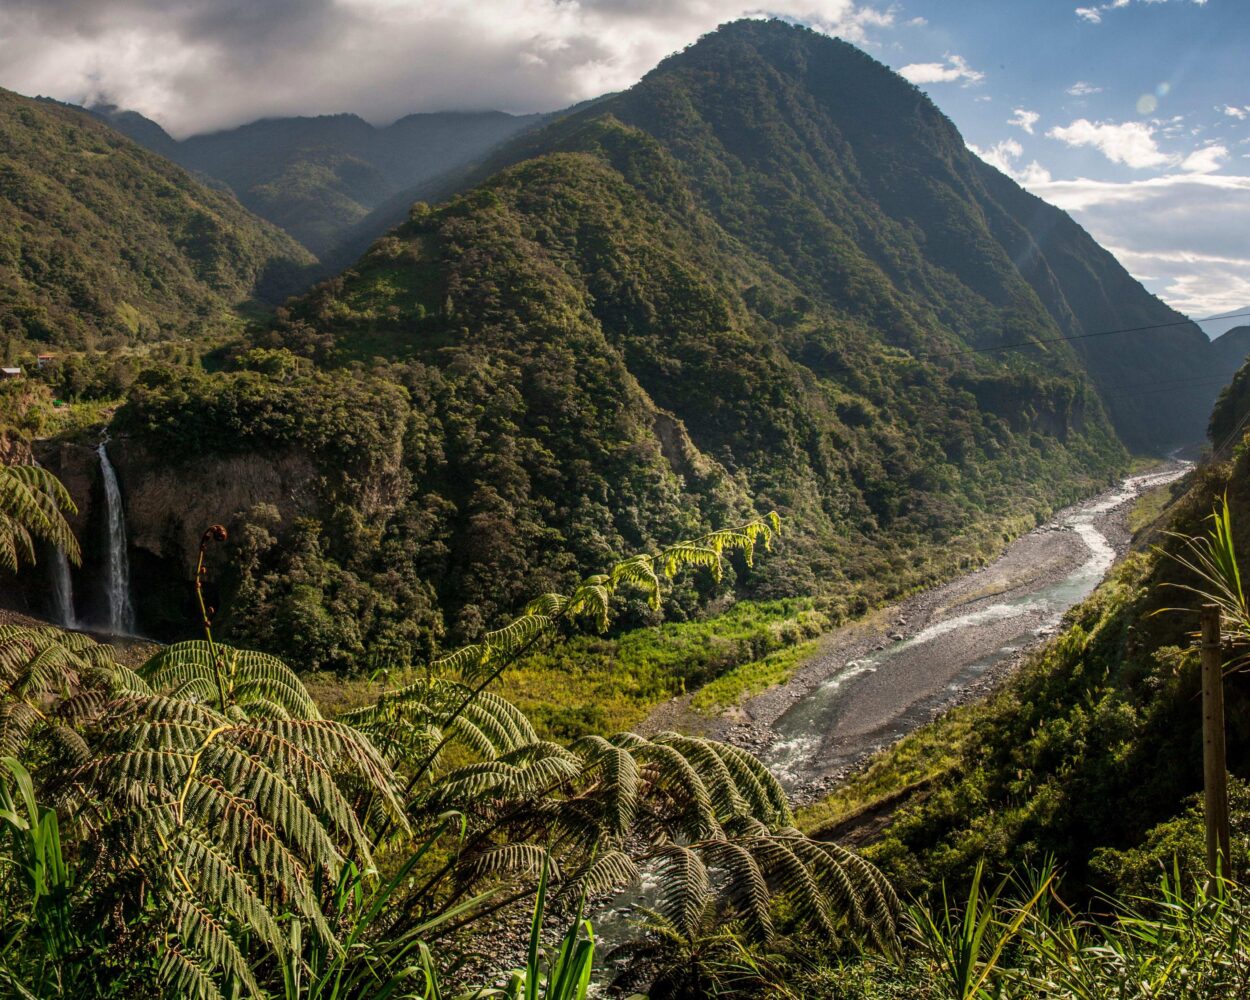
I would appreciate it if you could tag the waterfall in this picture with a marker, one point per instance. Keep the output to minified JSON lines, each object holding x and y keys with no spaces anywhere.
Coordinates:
{"x":117,"y":566}
{"x":62,"y":590}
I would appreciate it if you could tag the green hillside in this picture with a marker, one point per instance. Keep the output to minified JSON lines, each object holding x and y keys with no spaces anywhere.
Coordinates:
{"x":103,"y":243}
{"x":1092,"y":753}
{"x":852,"y":183}
{"x":320,"y":178}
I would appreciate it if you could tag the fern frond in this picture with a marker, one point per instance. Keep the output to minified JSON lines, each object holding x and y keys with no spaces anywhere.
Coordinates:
{"x":744,"y":885}
{"x":183,"y":976}
{"x":190,"y":669}
{"x":683,"y":554}
{"x":618,"y":782}
{"x":525,"y":859}
{"x":612,"y":872}
{"x":203,"y":933}
{"x":33,"y":504}
{"x":683,"y":886}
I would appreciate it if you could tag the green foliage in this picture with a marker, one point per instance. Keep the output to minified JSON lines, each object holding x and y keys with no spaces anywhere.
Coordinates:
{"x":1091,"y":752}
{"x":224,"y":832}
{"x":599,"y":683}
{"x":35,"y":908}
{"x":1173,"y":943}
{"x":105,"y":244}
{"x":966,"y":945}
{"x":564,"y":975}
{"x":33,"y":504}
{"x":1177,"y":843}
{"x":751,"y":678}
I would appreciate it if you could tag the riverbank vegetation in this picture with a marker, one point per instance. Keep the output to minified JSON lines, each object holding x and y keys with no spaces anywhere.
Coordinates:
{"x":1091,"y":754}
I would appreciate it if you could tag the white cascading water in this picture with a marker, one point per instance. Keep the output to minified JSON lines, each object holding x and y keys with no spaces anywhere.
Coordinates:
{"x":117,"y":565}
{"x":62,"y":590}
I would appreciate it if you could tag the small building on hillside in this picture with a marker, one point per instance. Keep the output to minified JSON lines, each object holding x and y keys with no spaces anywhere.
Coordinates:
{"x":45,"y":359}
{"x":11,"y":373}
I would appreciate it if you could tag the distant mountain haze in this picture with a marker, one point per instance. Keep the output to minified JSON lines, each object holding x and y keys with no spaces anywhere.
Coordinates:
{"x":318,"y":177}
{"x":1216,"y":326}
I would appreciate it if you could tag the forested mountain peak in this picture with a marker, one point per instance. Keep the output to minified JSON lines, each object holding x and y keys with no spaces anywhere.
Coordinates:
{"x":846,"y":175}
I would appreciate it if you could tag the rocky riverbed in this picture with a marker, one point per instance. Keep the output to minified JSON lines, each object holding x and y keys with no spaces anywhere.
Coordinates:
{"x":874,"y":681}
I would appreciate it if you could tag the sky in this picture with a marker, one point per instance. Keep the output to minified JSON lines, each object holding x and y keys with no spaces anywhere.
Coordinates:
{"x":1133,"y":115}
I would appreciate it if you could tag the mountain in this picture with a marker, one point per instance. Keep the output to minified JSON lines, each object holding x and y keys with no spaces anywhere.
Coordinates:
{"x":1092,"y":752}
{"x":852,"y":182}
{"x":1216,"y":326}
{"x":770,"y":275}
{"x":629,"y":332}
{"x":318,"y":177}
{"x":106,"y":243}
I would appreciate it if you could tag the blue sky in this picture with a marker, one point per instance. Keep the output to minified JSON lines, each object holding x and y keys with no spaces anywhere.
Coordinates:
{"x":1134,"y":115}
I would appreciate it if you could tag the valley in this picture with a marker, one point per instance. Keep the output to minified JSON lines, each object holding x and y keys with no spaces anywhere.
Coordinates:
{"x":862,"y":692}
{"x":715,"y":519}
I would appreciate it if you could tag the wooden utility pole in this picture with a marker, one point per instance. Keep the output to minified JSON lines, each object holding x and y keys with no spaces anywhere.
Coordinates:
{"x":1214,"y":764}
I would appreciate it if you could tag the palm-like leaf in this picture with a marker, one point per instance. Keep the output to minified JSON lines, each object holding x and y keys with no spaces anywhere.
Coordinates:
{"x":33,"y":504}
{"x":253,"y":681}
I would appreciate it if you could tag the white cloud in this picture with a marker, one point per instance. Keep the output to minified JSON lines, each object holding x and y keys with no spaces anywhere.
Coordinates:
{"x":1001,"y":154}
{"x":201,"y":64}
{"x":1181,"y":234}
{"x":955,"y":68}
{"x":1083,"y":89}
{"x":1205,"y":160}
{"x":1033,"y":175}
{"x":1238,"y":113}
{"x":1094,"y":14}
{"x":1024,"y":119}
{"x":1129,"y":143}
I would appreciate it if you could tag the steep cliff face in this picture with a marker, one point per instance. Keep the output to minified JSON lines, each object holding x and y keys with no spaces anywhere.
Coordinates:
{"x":167,"y":510}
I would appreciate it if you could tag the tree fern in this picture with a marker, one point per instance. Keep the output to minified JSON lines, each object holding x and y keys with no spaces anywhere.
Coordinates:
{"x":223,"y":821}
{"x":33,"y":504}
{"x":254,"y":681}
{"x":221,"y":815}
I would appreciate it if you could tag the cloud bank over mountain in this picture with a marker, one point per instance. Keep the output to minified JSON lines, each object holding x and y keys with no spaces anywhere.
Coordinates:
{"x":205,"y":64}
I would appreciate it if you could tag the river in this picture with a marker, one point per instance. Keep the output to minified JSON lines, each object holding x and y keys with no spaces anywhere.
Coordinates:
{"x":859,"y":695}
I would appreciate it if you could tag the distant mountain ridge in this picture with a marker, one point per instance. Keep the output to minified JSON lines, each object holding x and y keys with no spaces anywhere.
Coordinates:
{"x":316,"y":177}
